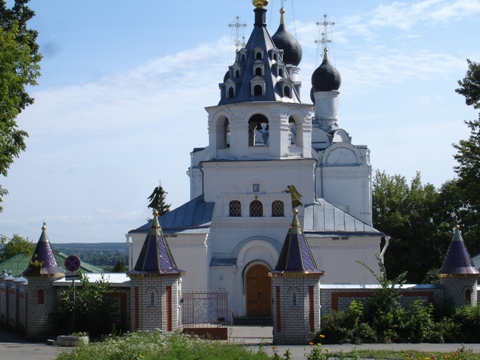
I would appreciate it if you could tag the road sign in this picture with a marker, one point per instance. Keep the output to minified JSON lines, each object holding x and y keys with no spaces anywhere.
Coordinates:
{"x":71,"y":276}
{"x":72,"y":263}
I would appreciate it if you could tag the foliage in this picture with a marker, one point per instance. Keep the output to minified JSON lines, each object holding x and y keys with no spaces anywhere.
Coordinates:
{"x":157,"y":201}
{"x":15,"y":245}
{"x":105,"y":255}
{"x":119,"y":266}
{"x":418,"y":219}
{"x":155,"y":345}
{"x":467,"y":321}
{"x":19,"y":68}
{"x":90,"y":310}
{"x":345,"y":326}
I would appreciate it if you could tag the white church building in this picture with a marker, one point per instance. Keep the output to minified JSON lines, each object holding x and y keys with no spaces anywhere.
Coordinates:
{"x":265,"y":138}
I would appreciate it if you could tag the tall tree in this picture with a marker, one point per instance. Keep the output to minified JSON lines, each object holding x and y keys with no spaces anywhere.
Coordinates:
{"x":420,"y":230}
{"x":15,"y":245}
{"x":468,"y":151}
{"x":157,"y":201}
{"x":19,"y":68}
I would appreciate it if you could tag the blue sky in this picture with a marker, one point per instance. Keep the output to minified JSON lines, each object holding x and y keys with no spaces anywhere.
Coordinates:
{"x":120,"y":104}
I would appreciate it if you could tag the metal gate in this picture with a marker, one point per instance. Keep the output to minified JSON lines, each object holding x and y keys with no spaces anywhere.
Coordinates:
{"x":205,"y":313}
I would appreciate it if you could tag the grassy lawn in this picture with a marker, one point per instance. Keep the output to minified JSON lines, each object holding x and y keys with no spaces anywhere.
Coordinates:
{"x":155,"y":345}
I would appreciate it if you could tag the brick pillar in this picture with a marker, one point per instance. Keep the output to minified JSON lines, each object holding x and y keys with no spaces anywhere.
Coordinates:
{"x":297,"y":308}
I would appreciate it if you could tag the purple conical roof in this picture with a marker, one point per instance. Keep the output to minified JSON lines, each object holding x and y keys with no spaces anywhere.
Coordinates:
{"x":155,"y":256}
{"x":458,"y":260}
{"x":296,"y":256}
{"x":43,"y":261}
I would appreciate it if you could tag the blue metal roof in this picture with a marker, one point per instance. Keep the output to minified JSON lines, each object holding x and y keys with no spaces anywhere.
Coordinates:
{"x":194,"y":214}
{"x":323,"y":218}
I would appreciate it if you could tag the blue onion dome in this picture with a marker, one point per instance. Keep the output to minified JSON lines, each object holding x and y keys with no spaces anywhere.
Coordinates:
{"x":326,"y":77}
{"x":292,"y":51}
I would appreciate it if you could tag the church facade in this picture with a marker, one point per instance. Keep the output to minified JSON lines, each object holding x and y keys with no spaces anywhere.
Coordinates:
{"x":271,"y":150}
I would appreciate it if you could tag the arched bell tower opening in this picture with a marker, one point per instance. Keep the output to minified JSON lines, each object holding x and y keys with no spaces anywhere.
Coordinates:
{"x":223,"y":132}
{"x":258,"y":130}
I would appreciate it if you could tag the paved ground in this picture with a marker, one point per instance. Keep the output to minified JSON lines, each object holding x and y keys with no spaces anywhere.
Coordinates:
{"x":13,"y":345}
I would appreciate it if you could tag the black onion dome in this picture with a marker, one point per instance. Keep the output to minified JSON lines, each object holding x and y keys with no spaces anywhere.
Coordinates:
{"x":227,"y":76}
{"x":326,"y":77}
{"x":292,"y":51}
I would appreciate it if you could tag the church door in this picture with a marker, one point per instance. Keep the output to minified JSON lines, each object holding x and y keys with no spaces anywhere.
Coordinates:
{"x":259,"y":291}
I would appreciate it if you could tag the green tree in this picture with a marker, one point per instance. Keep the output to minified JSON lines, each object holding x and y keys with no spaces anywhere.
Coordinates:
{"x":419,"y":226}
{"x":468,"y":151}
{"x":119,"y":266}
{"x":19,"y":68}
{"x":90,"y":310}
{"x":157,"y":201}
{"x":15,"y":245}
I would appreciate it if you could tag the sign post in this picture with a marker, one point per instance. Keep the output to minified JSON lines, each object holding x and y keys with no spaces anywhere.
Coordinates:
{"x":72,"y":264}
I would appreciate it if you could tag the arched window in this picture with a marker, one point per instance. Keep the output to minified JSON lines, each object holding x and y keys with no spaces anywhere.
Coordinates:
{"x":41,"y":296}
{"x":257,"y":90}
{"x":258,"y":55}
{"x":468,"y":297}
{"x":230,"y":92}
{"x":256,"y":209}
{"x":278,"y":208}
{"x":275,"y":57}
{"x":235,"y":208}
{"x":152,"y":299}
{"x":258,"y":71}
{"x":287,"y":92}
{"x":237,"y":73}
{"x":280,"y":72}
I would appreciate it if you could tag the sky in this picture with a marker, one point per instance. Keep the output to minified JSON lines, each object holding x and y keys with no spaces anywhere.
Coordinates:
{"x":120,"y":103}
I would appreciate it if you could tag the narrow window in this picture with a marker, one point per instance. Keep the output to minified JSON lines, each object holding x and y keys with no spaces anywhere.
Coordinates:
{"x":280,"y":72}
{"x":257,"y":90}
{"x":278,"y":208}
{"x":41,"y":296}
{"x":259,"y":55}
{"x":294,"y":299}
{"x":258,"y":71}
{"x":237,"y":73}
{"x":235,"y":208}
{"x":256,"y":209}
{"x":230,"y":92}
{"x":468,"y":297}
{"x":287,"y":92}
{"x":152,"y":299}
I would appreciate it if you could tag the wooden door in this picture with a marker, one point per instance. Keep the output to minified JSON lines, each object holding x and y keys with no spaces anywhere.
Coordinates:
{"x":259,"y":292}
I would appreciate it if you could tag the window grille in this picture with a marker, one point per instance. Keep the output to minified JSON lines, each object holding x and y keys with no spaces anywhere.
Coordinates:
{"x":256,"y":209}
{"x":278,"y":208}
{"x":235,"y":208}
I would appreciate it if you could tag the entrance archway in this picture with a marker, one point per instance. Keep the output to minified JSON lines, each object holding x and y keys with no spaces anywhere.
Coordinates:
{"x":259,"y":291}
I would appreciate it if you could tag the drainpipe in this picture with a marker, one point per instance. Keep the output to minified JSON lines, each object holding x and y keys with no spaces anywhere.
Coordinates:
{"x":382,"y":253}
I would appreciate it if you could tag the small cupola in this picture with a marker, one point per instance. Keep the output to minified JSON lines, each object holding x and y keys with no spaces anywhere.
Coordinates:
{"x":155,"y":257}
{"x":326,"y":77}
{"x":458,"y":262}
{"x":296,"y":256}
{"x":43,"y":261}
{"x":292,"y":50}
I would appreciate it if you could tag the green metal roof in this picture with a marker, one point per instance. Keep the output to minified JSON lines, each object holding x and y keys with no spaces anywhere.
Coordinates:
{"x":20,"y":262}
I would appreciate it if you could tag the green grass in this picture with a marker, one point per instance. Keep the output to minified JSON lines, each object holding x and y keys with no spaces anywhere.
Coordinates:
{"x":155,"y":345}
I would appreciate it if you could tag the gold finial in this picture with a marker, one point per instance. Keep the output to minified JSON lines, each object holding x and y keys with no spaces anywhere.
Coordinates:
{"x":260,"y":4}
{"x":282,"y":10}
{"x":325,"y":54}
{"x":44,"y":227}
{"x":155,"y":212}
